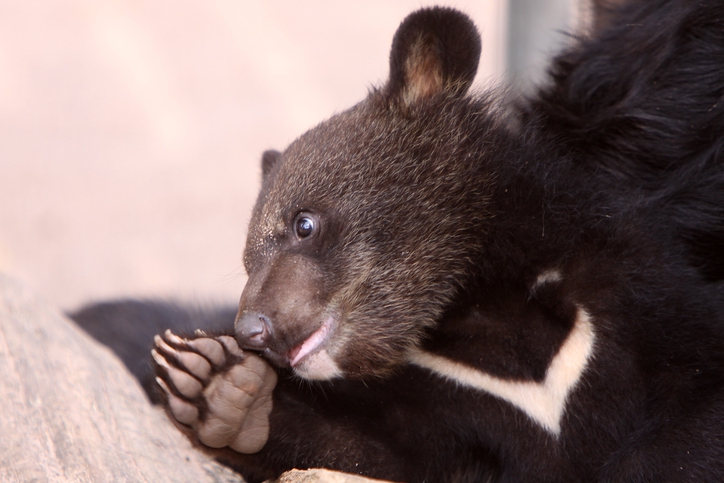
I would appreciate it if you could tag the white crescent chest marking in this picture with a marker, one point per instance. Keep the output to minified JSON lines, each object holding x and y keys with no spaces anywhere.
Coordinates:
{"x":544,"y":402}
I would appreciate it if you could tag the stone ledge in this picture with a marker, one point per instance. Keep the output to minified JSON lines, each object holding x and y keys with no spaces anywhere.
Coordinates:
{"x":322,"y":476}
{"x":73,"y":413}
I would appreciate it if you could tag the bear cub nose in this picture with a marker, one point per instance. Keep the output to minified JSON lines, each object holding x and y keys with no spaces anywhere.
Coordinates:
{"x":253,"y":330}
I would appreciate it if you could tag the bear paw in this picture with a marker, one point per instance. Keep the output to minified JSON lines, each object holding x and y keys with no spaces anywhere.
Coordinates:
{"x":224,"y":395}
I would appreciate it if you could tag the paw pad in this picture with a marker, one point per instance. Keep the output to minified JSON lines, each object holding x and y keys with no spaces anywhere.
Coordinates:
{"x":221,"y":393}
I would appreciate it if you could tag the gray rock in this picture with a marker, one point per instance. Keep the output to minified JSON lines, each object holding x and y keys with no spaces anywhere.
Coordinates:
{"x":72,"y":413}
{"x":322,"y":476}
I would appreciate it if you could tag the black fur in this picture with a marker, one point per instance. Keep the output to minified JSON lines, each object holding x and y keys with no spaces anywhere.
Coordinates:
{"x":128,"y":327}
{"x":644,"y":101}
{"x":437,"y":215}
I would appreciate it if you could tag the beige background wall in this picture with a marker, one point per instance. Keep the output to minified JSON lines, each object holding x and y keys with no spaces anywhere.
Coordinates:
{"x":131,"y":131}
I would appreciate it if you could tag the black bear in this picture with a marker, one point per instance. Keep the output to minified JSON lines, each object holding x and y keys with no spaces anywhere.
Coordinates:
{"x":480,"y":289}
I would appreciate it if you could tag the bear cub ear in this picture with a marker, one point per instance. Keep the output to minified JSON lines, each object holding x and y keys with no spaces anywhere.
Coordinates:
{"x":269,"y":159}
{"x":435,"y":50}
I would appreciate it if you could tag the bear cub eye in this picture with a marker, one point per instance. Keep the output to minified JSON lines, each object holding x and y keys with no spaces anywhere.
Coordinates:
{"x":304,"y":225}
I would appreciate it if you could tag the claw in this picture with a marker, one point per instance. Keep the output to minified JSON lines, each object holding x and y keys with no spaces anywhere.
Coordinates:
{"x":173,"y":338}
{"x":163,"y":345}
{"x":231,"y":345}
{"x":160,"y":360}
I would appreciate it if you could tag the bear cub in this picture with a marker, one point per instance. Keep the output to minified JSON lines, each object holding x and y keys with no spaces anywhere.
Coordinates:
{"x":456,"y":286}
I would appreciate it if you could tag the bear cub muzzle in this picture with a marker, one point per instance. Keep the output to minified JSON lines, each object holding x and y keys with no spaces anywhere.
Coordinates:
{"x":292,"y":331}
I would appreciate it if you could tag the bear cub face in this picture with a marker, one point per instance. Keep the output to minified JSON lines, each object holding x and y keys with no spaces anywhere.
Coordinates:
{"x":345,"y":241}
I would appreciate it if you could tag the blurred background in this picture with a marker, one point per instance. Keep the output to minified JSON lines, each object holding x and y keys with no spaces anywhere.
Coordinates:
{"x":131,"y":131}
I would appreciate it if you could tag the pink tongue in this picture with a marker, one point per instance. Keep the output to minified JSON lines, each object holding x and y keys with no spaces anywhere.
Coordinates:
{"x":292,"y":354}
{"x":312,"y":342}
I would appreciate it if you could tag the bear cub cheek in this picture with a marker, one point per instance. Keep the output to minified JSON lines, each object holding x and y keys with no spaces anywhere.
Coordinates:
{"x":285,"y":314}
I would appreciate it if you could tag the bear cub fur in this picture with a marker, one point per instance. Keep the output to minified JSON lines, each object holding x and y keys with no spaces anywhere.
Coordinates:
{"x":455,"y":286}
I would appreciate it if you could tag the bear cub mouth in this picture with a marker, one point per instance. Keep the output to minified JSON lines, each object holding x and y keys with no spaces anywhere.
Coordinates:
{"x":315,"y":342}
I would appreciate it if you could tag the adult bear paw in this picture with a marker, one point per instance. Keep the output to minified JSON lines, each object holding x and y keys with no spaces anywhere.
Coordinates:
{"x":222,"y":394}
